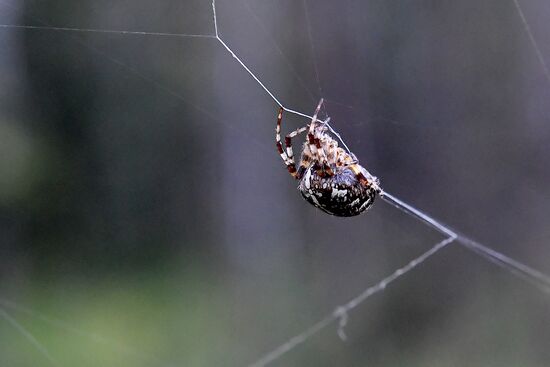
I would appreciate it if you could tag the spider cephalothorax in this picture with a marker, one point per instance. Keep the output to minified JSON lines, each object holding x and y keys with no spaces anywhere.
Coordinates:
{"x":330,"y":178}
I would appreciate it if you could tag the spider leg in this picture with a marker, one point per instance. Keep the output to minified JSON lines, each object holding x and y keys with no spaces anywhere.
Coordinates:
{"x":319,"y":155}
{"x":366,"y":181}
{"x":289,"y":164}
{"x":288,"y":156}
{"x":326,"y":153}
{"x":288,"y":141}
{"x":290,"y":153}
{"x":311,"y":133}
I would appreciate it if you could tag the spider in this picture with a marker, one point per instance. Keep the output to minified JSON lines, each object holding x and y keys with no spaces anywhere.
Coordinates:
{"x":330,"y":178}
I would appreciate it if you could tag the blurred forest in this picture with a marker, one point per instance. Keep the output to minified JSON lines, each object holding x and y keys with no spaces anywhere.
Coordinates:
{"x":147,"y":220}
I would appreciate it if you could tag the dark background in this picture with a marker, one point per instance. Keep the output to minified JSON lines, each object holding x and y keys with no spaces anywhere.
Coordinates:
{"x":147,"y":220}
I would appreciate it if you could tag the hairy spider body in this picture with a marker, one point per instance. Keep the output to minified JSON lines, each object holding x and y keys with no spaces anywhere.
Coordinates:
{"x":331,"y":179}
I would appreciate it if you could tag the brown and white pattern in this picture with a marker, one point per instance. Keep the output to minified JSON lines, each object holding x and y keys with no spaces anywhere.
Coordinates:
{"x":330,"y":178}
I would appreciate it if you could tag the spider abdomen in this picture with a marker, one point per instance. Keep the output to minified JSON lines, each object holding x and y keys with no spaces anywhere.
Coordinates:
{"x":342,"y":194}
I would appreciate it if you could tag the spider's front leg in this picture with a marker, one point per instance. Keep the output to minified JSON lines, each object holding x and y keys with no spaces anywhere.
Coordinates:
{"x":288,"y":156}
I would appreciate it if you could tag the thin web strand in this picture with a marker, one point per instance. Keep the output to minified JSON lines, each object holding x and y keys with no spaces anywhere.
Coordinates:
{"x":533,"y":276}
{"x":286,"y":60}
{"x":105,"y":31}
{"x":27,"y":335}
{"x":521,"y":270}
{"x":541,"y":280}
{"x":247,"y":69}
{"x":341,"y":312}
{"x":239,"y":60}
{"x":313,"y":53}
{"x":533,"y":40}
{"x":281,"y":53}
{"x":412,"y":211}
{"x":250,"y":72}
{"x":66,"y":327}
{"x":153,"y":82}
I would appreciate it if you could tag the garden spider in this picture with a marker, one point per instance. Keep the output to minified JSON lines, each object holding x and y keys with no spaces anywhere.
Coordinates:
{"x":330,"y":178}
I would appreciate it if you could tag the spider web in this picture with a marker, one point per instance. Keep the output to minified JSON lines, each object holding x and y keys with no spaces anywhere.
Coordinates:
{"x":341,"y":313}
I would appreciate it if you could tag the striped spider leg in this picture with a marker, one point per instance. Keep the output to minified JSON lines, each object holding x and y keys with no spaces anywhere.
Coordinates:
{"x":288,"y":156}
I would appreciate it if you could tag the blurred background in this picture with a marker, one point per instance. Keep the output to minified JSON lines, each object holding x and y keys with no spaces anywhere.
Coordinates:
{"x":147,"y":220}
